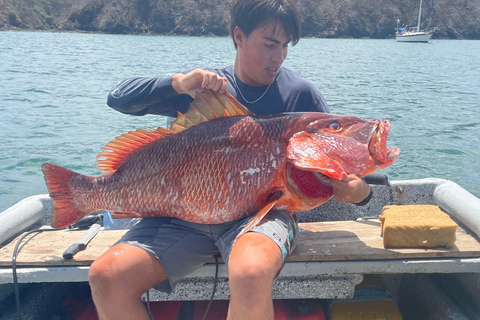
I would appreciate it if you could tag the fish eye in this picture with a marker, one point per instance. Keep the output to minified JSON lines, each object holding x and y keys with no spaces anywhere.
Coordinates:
{"x":334,"y":126}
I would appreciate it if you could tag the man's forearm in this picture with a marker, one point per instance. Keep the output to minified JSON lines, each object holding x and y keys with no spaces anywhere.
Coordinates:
{"x":139,"y":96}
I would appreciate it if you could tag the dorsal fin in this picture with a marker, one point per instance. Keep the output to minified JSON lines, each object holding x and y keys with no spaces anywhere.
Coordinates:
{"x":209,"y":105}
{"x":119,"y":149}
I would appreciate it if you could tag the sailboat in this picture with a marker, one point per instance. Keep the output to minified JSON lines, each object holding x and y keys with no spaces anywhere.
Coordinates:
{"x":412,"y":33}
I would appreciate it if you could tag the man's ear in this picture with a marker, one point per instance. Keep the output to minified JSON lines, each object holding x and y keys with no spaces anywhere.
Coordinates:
{"x":238,"y":36}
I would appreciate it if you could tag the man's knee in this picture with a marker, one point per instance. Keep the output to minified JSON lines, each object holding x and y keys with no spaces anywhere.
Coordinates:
{"x":102,"y":277}
{"x":98,"y":271}
{"x":252,"y":269}
{"x":125,"y":267}
{"x":254,"y":257}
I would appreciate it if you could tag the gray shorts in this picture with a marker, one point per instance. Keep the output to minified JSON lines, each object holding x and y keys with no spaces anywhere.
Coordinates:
{"x":183,"y":246}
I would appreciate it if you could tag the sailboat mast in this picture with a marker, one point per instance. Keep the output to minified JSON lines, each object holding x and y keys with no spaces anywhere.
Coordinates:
{"x":419,"y":16}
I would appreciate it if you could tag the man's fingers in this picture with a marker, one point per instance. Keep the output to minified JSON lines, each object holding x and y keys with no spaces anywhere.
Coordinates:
{"x":221,"y":85}
{"x":211,"y":81}
{"x":214,"y":82}
{"x":195,"y":81}
{"x":350,"y":188}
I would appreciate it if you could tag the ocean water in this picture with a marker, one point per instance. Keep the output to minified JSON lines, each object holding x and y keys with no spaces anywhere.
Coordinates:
{"x":53,"y":89}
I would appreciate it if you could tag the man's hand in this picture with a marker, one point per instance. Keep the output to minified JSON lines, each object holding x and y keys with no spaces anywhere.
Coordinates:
{"x":350,"y":189}
{"x":195,"y":81}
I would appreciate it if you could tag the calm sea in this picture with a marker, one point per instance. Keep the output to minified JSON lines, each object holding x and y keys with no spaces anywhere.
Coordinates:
{"x":53,"y":90}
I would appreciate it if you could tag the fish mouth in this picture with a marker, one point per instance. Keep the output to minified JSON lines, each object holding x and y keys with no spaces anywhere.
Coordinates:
{"x":378,"y":144}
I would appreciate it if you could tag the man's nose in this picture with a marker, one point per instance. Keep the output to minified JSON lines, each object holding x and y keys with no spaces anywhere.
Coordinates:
{"x":279,"y":55}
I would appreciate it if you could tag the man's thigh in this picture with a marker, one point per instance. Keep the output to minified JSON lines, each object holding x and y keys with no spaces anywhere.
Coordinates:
{"x":279,"y":226}
{"x":181,"y":247}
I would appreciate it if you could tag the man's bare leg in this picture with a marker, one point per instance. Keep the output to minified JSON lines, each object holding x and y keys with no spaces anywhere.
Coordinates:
{"x":119,"y":277}
{"x":254,"y":262}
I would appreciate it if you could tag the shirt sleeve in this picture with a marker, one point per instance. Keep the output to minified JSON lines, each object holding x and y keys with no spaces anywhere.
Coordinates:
{"x":139,"y":96}
{"x":313,"y":99}
{"x":309,"y":98}
{"x":300,"y":94}
{"x":320,"y":102}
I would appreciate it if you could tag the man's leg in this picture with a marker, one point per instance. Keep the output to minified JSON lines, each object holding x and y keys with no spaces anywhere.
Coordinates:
{"x":254,"y":262}
{"x":150,"y":252}
{"x":119,"y":277}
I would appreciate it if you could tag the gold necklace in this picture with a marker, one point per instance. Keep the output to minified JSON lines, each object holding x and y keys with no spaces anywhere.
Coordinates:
{"x":240,"y":91}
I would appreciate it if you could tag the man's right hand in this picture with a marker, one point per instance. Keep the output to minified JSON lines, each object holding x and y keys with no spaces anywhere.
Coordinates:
{"x":195,"y":81}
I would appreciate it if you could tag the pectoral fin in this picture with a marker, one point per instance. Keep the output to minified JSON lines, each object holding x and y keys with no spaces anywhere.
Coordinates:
{"x":124,"y":215}
{"x":255,"y":220}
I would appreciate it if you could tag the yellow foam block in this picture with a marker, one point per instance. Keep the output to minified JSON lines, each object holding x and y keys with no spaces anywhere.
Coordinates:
{"x":384,"y":309}
{"x":424,"y":226}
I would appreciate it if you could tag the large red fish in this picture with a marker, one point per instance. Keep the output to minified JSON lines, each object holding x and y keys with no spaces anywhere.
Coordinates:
{"x":219,"y":163}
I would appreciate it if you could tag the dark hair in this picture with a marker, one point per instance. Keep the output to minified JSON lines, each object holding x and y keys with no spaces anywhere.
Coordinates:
{"x":251,"y":14}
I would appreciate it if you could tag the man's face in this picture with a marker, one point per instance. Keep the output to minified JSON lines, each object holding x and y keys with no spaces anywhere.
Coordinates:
{"x":260,"y":55}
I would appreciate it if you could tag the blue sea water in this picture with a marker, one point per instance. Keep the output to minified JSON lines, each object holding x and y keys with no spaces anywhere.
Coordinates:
{"x":53,"y":89}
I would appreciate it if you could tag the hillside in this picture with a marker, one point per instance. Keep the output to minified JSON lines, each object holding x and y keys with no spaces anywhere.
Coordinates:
{"x":454,"y":19}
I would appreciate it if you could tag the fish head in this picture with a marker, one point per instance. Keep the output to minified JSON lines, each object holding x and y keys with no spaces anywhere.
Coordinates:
{"x":332,"y":145}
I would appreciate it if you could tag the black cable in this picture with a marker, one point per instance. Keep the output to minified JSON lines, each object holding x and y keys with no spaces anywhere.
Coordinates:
{"x":14,"y":268}
{"x":148,"y":306}
{"x":215,"y":281}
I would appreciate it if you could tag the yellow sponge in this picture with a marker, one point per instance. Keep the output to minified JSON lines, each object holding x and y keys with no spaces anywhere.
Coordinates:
{"x":424,"y":226}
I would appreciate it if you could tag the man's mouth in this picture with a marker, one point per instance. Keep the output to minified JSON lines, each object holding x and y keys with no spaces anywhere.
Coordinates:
{"x":272,"y":71}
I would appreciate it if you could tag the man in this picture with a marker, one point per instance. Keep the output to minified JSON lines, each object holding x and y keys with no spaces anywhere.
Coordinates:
{"x":159,"y":251}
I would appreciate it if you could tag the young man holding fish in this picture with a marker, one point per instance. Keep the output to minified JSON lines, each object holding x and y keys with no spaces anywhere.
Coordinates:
{"x":261,"y":31}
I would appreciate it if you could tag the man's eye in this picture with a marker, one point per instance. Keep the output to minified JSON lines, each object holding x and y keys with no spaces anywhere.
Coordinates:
{"x":269,"y":45}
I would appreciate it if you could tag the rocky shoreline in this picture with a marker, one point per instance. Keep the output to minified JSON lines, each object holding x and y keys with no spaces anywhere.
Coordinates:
{"x":454,"y":19}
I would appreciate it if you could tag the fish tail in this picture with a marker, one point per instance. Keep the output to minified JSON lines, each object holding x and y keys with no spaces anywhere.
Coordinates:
{"x":58,"y":179}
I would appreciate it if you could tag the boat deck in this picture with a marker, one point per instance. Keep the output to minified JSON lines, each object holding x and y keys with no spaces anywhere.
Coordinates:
{"x":319,"y":241}
{"x":331,"y":257}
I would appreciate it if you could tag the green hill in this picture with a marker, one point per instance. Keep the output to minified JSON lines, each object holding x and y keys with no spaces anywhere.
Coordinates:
{"x":454,"y":19}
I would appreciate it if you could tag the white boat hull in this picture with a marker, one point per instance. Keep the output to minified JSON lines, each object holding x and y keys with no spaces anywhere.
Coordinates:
{"x":414,"y":37}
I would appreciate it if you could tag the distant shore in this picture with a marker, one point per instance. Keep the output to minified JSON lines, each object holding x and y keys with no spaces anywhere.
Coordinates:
{"x":359,"y":19}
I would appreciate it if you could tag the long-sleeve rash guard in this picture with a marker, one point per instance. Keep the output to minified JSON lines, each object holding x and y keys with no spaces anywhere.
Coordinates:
{"x":288,"y":93}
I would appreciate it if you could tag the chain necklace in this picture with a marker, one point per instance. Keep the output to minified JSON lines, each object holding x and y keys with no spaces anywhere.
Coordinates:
{"x":240,"y":91}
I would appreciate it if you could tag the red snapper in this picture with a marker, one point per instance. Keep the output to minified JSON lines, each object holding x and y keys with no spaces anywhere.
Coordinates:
{"x":219,"y":162}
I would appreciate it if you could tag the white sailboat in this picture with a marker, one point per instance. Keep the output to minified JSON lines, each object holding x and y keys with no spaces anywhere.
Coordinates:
{"x":412,"y":34}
